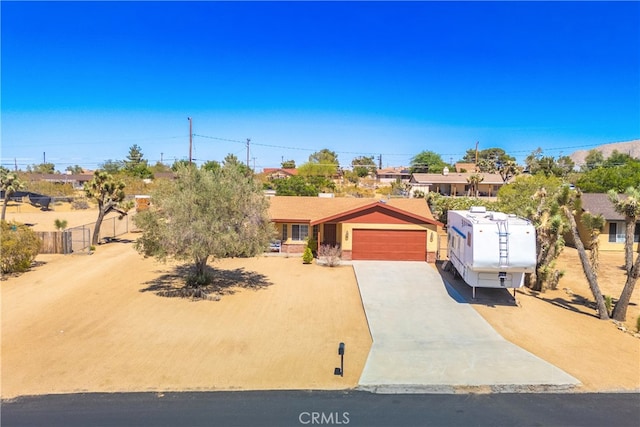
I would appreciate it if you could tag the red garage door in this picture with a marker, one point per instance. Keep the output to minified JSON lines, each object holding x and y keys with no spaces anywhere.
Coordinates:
{"x":392,"y":245}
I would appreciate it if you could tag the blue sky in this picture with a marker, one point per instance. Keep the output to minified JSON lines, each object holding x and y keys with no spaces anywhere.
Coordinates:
{"x":83,"y":81}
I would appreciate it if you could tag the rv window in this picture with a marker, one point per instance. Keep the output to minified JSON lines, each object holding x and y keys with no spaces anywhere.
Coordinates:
{"x":468,"y":239}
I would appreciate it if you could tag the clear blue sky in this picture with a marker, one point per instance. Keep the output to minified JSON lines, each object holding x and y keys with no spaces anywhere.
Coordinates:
{"x":83,"y":81}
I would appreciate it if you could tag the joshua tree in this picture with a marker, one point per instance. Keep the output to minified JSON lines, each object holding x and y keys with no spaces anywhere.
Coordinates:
{"x":9,"y":183}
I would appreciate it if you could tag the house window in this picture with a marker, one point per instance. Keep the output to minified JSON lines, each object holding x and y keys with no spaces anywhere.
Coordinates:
{"x":299,"y":232}
{"x":617,"y":232}
{"x":316,"y":230}
{"x":284,"y":232}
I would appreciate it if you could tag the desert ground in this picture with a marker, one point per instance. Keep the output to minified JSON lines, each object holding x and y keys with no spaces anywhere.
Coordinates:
{"x":78,"y":323}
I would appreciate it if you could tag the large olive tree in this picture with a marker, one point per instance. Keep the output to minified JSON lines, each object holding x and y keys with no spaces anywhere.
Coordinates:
{"x":205,"y":214}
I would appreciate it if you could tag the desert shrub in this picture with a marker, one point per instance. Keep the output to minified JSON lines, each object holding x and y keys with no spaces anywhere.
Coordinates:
{"x":20,"y":245}
{"x":313,"y":245}
{"x":608,"y":303}
{"x":330,"y":255}
{"x":307,"y":256}
{"x":60,"y":224}
{"x":79,"y":204}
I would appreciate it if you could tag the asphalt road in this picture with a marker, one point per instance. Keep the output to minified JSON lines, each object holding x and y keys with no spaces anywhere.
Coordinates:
{"x":300,"y":408}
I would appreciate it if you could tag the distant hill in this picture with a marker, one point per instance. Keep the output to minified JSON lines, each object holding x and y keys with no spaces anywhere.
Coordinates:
{"x":632,"y":148}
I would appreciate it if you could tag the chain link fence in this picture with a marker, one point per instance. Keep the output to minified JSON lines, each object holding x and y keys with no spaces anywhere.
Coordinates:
{"x":110,"y":229}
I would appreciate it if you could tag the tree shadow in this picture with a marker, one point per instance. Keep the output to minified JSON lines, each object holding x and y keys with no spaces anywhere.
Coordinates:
{"x":222,"y":282}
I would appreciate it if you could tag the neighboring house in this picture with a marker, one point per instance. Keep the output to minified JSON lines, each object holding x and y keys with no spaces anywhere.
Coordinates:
{"x":388,"y":176}
{"x":455,"y":183}
{"x":77,"y":181}
{"x":279,"y":173}
{"x":365,"y":229}
{"x":613,"y":235}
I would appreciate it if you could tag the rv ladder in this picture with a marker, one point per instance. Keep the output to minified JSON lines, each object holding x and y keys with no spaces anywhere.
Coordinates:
{"x":503,"y":242}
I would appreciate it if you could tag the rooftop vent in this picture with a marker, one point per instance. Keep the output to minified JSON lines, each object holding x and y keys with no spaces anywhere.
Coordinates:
{"x":478,"y":209}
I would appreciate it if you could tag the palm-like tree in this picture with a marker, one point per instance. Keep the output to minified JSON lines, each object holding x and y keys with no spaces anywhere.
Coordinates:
{"x":10,"y":183}
{"x":474,"y":182}
{"x":571,"y":202}
{"x":630,"y":208}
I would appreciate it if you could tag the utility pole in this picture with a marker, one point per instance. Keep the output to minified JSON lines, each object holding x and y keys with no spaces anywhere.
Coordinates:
{"x":190,"y":139}
{"x":248,"y":141}
{"x":161,"y":154}
{"x":476,"y":156}
{"x":15,"y":163}
{"x":44,"y":157}
{"x":379,"y":161}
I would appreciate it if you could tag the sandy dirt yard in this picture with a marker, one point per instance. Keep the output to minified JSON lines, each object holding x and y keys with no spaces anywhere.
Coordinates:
{"x":78,"y":323}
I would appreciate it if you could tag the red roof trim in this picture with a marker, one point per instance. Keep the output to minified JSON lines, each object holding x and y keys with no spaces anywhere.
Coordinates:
{"x":373,"y":205}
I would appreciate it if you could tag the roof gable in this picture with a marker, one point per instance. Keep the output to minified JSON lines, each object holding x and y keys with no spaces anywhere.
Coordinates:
{"x":315,"y":210}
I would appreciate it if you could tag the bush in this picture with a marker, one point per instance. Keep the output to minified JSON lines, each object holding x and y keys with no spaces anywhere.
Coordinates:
{"x":20,"y":245}
{"x":608,"y":303}
{"x":79,"y":204}
{"x":307,"y":256}
{"x":330,"y":255}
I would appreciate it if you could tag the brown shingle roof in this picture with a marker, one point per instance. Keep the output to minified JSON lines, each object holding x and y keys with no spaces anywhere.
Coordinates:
{"x":599,"y":203}
{"x":314,"y":209}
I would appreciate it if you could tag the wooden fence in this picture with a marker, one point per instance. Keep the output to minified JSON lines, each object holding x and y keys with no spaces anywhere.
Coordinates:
{"x":55,"y":242}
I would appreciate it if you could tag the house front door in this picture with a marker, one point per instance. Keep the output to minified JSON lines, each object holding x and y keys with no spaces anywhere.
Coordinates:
{"x":329,"y":237}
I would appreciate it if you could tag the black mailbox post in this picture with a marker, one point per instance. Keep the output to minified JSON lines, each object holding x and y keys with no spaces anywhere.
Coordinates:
{"x":340,"y":370}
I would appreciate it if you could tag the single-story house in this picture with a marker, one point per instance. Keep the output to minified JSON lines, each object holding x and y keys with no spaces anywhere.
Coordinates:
{"x":455,"y":183}
{"x":77,"y":181}
{"x":613,"y":235}
{"x":279,"y":173}
{"x":365,"y":229}
{"x":390,"y":175}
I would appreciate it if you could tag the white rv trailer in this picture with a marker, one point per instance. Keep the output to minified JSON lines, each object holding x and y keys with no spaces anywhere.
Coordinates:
{"x":490,"y":249}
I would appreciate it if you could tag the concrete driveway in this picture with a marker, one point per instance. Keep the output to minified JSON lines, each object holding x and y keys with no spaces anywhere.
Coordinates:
{"x":427,"y":339}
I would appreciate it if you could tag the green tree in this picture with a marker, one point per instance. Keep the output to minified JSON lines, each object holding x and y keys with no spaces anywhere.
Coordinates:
{"x":288,"y":164}
{"x":212,"y":166}
{"x":231,"y":161}
{"x":19,"y":247}
{"x":75,"y":170}
{"x":494,"y":160}
{"x":177,"y":164}
{"x":295,"y":186}
{"x":427,"y":162}
{"x":9,"y":184}
{"x":321,"y":163}
{"x":112,"y":166}
{"x":136,"y":165}
{"x":205,"y":214}
{"x":42,"y":168}
{"x":630,"y":208}
{"x":593,"y":160}
{"x":109,"y":196}
{"x":363,"y":166}
{"x":611,"y":176}
{"x":517,"y":197}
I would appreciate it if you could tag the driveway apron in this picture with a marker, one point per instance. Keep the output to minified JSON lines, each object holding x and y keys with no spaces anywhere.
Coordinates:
{"x":426,"y":339}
